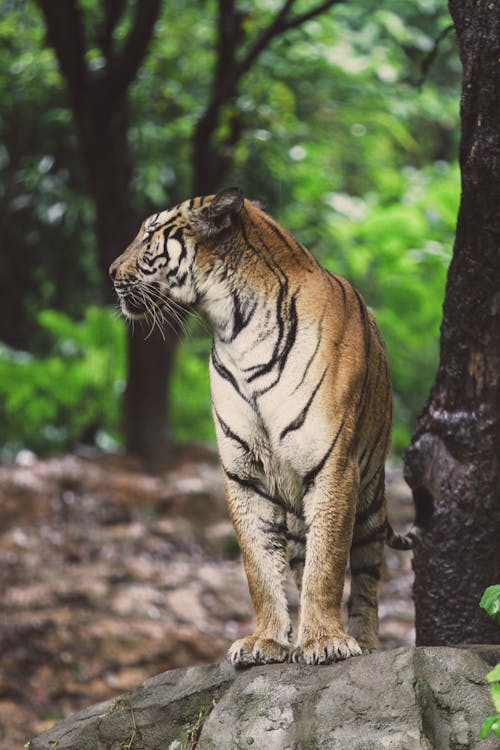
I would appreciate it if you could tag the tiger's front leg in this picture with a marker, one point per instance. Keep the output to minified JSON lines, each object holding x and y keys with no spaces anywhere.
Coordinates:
{"x":329,"y":508}
{"x":260,"y":527}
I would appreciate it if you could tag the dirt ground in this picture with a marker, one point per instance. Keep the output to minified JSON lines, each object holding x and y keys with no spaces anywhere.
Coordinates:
{"x":109,"y":575}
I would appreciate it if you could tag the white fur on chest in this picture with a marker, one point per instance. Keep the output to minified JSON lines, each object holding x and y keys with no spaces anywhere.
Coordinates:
{"x":251,"y":445}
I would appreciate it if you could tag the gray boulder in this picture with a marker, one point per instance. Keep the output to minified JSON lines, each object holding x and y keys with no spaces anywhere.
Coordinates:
{"x":406,"y":699}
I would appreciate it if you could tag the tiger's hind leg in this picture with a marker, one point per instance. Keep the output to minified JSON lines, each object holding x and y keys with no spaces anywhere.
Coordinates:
{"x":296,"y":547}
{"x":366,"y":556}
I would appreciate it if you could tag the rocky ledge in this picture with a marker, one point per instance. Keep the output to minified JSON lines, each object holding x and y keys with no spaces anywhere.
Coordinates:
{"x":407,"y":699}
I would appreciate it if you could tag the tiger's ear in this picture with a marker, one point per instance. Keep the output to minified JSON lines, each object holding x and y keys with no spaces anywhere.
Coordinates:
{"x":217,"y":217}
{"x":259,"y":203}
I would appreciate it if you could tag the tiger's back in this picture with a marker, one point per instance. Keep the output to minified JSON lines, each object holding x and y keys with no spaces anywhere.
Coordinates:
{"x":302,"y":406}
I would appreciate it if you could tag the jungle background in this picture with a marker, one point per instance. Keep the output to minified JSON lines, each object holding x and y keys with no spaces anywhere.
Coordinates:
{"x":346,"y":121}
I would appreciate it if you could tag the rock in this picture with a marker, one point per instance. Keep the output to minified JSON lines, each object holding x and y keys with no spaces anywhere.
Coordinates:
{"x":151,"y":716}
{"x":425,"y":698}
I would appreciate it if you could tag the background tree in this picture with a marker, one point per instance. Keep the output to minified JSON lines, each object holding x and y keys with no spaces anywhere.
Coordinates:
{"x":99,"y":102}
{"x":453,"y":465}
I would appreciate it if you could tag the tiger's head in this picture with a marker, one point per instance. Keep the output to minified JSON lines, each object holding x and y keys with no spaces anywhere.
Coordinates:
{"x":178,"y":255}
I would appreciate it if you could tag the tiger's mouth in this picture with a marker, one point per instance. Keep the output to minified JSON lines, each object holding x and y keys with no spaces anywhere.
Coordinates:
{"x":132,"y":307}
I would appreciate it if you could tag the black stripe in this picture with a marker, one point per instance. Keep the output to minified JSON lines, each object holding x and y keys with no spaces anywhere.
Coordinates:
{"x":277,"y":231}
{"x":292,"y":333}
{"x":230,"y":434}
{"x":282,"y":280}
{"x":362,"y":459}
{"x":151,"y":228}
{"x":340,"y":284}
{"x":168,"y":225}
{"x":273,"y":267}
{"x":386,"y":428}
{"x":300,"y":419}
{"x":275,"y":544}
{"x":289,"y":342}
{"x":360,"y":597}
{"x":259,"y":491}
{"x":313,"y":355}
{"x":277,"y":356}
{"x":275,"y":532}
{"x":225,"y":374}
{"x":278,"y":528}
{"x":375,"y":505}
{"x":265,"y":368}
{"x":296,"y":561}
{"x":367,"y":570}
{"x":146,"y":271}
{"x":241,"y":318}
{"x":177,"y":279}
{"x":152,"y":262}
{"x":311,"y":475}
{"x":363,"y":399}
{"x":249,"y":484}
{"x":295,"y":538}
{"x":376,"y":535}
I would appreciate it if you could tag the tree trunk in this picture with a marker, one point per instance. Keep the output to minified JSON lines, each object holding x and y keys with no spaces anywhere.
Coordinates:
{"x":453,"y":463}
{"x":99,"y":101}
{"x":103,"y":134}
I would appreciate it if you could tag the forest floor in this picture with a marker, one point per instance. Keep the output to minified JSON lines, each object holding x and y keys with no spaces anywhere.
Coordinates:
{"x":110,"y":575}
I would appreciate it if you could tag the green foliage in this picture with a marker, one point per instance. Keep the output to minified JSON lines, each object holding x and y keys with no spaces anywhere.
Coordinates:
{"x":491,"y":724}
{"x":191,"y":414}
{"x":490,"y":601}
{"x":70,"y":394}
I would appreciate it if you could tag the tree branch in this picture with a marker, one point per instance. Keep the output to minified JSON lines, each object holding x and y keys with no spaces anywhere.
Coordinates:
{"x":278,"y":26}
{"x":431,"y":55}
{"x":228,"y":76}
{"x":114,"y":11}
{"x":227,"y":39}
{"x":123,"y":67}
{"x":274,"y":29}
{"x":65,"y":35}
{"x":293,"y":23}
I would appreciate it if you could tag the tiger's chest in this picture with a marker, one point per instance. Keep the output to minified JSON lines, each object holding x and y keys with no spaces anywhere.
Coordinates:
{"x":250,"y":436}
{"x":272,"y":468}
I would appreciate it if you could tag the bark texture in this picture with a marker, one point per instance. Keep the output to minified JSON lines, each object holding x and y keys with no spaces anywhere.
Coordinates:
{"x":453,"y":464}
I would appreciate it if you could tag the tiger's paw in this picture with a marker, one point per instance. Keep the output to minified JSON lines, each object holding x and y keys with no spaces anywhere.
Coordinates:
{"x":326,"y":649}
{"x":252,"y":650}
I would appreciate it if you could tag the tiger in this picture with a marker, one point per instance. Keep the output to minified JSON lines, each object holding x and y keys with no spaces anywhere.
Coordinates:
{"x":302,"y":405}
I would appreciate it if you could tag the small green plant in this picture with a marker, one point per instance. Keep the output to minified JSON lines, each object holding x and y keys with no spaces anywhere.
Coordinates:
{"x":490,"y":601}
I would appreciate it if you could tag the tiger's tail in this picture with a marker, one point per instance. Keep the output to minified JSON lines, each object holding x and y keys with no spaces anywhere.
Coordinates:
{"x":402,"y":541}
